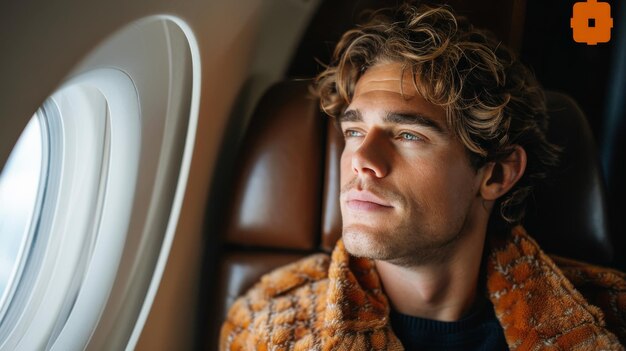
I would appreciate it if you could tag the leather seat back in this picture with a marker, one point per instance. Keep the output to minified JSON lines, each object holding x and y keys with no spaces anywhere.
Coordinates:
{"x":568,"y":214}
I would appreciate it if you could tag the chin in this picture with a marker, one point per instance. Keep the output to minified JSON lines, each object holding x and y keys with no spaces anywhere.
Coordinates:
{"x":361,"y":242}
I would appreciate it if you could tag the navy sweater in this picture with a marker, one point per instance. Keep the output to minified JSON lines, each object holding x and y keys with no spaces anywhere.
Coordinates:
{"x":479,"y":330}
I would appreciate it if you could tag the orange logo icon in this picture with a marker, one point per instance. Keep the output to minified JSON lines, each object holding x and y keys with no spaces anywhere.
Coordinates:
{"x":591,"y":22}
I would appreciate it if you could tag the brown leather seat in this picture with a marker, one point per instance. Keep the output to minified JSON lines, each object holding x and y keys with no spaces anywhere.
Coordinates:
{"x":285,"y":193}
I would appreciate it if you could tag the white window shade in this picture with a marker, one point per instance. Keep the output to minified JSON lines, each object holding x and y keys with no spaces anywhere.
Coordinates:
{"x":21,"y":185}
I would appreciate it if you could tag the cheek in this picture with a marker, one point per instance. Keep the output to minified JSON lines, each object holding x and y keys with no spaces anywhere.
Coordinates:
{"x":456,"y":184}
{"x":424,"y":185}
{"x":440,"y":187}
{"x":461,"y":174}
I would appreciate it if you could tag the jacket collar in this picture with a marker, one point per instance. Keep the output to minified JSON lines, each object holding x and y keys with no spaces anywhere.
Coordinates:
{"x":355,"y":296}
{"x":534,"y":302}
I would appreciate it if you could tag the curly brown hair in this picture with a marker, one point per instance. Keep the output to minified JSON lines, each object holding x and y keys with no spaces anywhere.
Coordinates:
{"x":492,"y":101}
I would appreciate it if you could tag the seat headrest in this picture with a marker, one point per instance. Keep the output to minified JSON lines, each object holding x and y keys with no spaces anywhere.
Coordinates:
{"x":568,"y":213}
{"x":278,"y":190}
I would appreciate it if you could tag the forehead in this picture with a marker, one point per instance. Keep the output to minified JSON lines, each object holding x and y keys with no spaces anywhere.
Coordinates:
{"x":387,"y":87}
{"x":390,"y":77}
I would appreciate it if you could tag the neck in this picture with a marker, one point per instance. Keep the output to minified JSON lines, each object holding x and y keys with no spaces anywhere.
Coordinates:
{"x":443,"y":291}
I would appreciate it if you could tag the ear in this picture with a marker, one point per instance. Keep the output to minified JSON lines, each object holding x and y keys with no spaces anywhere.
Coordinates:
{"x":499,"y":177}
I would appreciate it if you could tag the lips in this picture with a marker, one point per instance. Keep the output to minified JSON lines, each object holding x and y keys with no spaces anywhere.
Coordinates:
{"x":365,"y":201}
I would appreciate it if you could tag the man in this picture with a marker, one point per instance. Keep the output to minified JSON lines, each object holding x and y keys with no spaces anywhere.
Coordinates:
{"x":444,"y":139}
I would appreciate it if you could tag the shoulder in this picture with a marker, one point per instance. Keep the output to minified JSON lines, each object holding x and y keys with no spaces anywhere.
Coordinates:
{"x":284,"y":296}
{"x":280,"y":280}
{"x":289,"y":277}
{"x":602,"y":287}
{"x":602,"y":290}
{"x":585,"y":274}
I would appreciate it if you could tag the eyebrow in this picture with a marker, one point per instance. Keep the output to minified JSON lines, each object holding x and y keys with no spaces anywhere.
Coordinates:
{"x":396,"y":118}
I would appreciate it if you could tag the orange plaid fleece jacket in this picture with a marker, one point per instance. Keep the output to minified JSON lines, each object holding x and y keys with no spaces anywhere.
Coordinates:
{"x":337,"y":303}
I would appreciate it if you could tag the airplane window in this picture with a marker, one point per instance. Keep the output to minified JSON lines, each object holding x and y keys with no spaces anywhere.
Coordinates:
{"x":115,"y":141}
{"x":19,"y":188}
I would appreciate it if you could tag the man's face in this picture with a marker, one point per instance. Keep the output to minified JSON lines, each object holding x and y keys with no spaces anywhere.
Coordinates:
{"x":407,"y":187}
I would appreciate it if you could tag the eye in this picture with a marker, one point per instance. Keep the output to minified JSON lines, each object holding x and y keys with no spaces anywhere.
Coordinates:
{"x":409,"y":137}
{"x":350,"y":133}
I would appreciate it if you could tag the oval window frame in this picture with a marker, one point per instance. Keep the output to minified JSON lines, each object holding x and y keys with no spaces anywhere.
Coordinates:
{"x":107,"y":300}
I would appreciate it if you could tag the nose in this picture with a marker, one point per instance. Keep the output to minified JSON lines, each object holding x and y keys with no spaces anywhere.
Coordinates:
{"x":372,"y":156}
